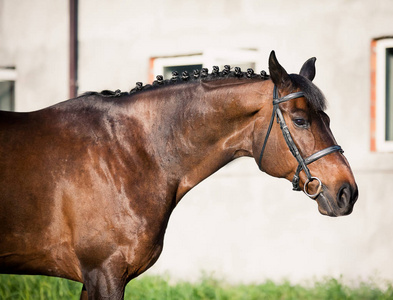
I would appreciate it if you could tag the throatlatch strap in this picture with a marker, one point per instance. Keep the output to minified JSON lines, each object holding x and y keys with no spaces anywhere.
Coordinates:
{"x":267,"y":136}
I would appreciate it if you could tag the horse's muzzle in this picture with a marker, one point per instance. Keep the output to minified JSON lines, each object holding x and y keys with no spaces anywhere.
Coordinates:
{"x":339,"y":205}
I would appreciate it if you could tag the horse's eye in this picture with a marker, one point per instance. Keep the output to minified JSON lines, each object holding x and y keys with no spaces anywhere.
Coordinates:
{"x":300,"y":122}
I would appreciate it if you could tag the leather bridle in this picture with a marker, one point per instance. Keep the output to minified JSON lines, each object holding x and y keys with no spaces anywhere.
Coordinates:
{"x":292,"y":146}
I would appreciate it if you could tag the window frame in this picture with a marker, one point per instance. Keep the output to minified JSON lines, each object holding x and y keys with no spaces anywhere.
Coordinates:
{"x":208,"y":58}
{"x":378,"y":142}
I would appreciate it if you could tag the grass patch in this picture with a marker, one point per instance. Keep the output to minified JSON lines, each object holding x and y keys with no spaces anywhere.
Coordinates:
{"x":156,"y":287}
{"x":16,"y":287}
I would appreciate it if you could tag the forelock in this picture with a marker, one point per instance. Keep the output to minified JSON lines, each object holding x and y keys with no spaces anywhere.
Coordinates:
{"x":311,"y":92}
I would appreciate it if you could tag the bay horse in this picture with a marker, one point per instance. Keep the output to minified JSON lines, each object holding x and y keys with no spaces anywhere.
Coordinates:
{"x":87,"y":186}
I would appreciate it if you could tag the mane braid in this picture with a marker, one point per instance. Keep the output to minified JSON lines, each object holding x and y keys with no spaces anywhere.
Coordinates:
{"x":185,"y":77}
{"x":312,"y":93}
{"x":202,"y":74}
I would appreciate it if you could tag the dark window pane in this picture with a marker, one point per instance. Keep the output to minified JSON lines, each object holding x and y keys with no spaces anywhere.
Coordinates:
{"x":7,"y":89}
{"x":180,"y":69}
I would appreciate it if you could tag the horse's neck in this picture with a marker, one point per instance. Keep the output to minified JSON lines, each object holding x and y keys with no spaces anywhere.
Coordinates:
{"x":203,"y":127}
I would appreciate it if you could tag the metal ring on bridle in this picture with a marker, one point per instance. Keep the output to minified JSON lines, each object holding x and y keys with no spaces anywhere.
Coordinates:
{"x":319,"y":189}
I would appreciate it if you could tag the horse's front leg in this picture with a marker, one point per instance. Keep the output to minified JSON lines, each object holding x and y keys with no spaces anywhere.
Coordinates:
{"x":103,"y":284}
{"x":84,"y":295}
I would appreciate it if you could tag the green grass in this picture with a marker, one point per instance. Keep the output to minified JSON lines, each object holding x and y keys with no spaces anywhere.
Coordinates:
{"x":18,"y":287}
{"x":155,"y":287}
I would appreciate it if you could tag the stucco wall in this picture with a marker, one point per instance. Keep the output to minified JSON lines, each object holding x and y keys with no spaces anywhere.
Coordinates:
{"x":34,"y":39}
{"x":239,"y":223}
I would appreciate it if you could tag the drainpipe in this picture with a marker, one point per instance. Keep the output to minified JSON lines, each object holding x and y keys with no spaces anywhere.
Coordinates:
{"x":73,"y":79}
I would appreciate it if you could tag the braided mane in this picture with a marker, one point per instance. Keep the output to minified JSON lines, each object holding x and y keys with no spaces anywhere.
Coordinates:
{"x":313,"y":94}
{"x":185,"y":77}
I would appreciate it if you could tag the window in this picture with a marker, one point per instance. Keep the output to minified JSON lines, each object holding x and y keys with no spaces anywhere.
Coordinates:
{"x":382,"y":95}
{"x":164,"y":65}
{"x":7,"y":89}
{"x":389,"y":94}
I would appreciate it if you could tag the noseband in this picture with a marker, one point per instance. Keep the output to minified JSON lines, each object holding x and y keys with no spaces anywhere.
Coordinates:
{"x":292,"y":147}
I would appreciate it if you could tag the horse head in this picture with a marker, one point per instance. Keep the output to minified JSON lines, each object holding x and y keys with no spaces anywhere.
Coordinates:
{"x":300,"y":145}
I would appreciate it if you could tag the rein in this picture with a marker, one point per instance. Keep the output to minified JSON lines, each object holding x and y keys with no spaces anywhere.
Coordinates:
{"x":292,"y":146}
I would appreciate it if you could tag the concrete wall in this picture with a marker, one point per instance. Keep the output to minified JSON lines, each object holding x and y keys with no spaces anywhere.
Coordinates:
{"x":34,"y":39}
{"x":239,"y":223}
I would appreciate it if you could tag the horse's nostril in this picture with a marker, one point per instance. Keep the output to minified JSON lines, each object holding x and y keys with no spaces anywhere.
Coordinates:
{"x":344,"y":196}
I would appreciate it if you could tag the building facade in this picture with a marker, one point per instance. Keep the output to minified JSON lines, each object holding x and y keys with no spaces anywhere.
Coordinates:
{"x":239,"y":224}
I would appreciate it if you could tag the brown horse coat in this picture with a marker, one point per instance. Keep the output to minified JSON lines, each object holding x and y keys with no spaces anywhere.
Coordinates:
{"x":87,"y":186}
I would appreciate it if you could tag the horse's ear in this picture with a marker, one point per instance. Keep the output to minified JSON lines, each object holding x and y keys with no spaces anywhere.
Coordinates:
{"x":308,"y":69}
{"x":278,"y":74}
